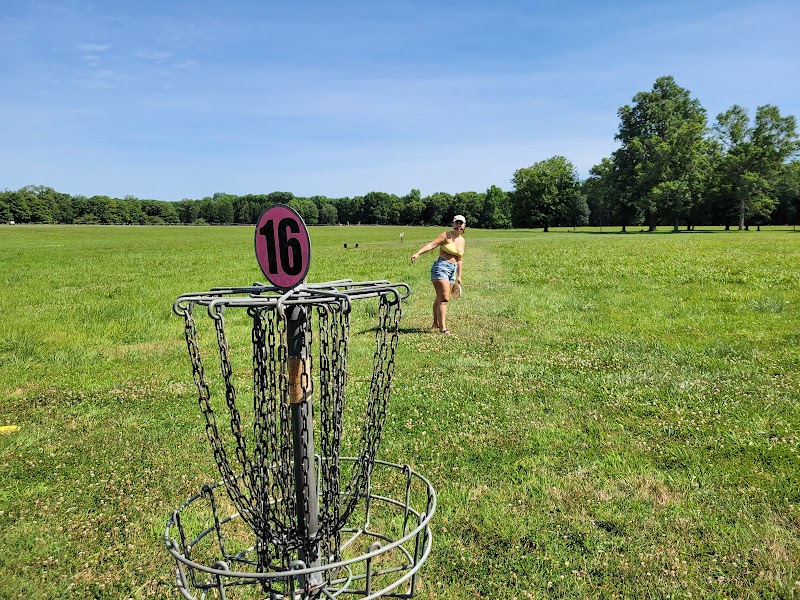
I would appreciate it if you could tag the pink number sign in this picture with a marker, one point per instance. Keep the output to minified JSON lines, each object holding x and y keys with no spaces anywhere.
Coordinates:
{"x":283,"y":248}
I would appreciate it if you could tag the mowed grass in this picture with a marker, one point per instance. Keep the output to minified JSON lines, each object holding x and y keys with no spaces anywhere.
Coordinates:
{"x":615,"y":416}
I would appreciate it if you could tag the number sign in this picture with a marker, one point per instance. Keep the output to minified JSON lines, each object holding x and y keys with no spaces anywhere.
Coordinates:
{"x":283,"y":248}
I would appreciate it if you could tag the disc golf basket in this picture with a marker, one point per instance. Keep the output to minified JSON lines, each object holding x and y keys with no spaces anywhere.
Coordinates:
{"x":294,"y":516}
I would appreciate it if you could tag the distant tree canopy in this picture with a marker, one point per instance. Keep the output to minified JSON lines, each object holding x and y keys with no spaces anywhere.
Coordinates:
{"x":663,"y":144}
{"x":671,"y":168}
{"x":38,"y":204}
{"x":548,"y":194}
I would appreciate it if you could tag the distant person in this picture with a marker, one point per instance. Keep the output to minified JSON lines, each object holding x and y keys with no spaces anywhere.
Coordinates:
{"x":446,"y":269}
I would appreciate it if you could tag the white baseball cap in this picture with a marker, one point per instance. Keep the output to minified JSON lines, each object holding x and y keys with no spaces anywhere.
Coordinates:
{"x":460,"y":218}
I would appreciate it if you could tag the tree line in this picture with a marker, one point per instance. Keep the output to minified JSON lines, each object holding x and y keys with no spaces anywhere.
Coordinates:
{"x":41,"y":204}
{"x":671,"y":168}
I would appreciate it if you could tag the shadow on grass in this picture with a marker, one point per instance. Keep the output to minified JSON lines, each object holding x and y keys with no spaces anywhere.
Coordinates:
{"x":659,"y":232}
{"x":400,"y":330}
{"x":620,"y":232}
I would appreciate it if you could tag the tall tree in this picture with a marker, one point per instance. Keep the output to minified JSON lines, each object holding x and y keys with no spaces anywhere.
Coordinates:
{"x":381,"y":208}
{"x":132,"y":211}
{"x":545,"y":193}
{"x":306,"y":209}
{"x":599,"y":193}
{"x":496,"y":209}
{"x":5,"y":210}
{"x":663,"y":143}
{"x":188,"y":210}
{"x":206,"y":211}
{"x":576,"y":210}
{"x":63,"y":208}
{"x":412,"y":209}
{"x":99,"y":210}
{"x":328,"y":215}
{"x":18,"y":206}
{"x":326,"y":209}
{"x":438,"y":209}
{"x":242,"y":211}
{"x":619,"y":181}
{"x":469,"y":204}
{"x":258,"y":204}
{"x":350,"y":209}
{"x":788,"y":193}
{"x":223,"y":209}
{"x":752,"y":159}
{"x":39,"y":200}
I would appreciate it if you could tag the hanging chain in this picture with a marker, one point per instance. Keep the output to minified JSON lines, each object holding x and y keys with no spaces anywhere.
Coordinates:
{"x":333,"y":333}
{"x":282,"y":508}
{"x":263,"y":427}
{"x":386,"y":337}
{"x":212,"y":432}
{"x":325,"y":422}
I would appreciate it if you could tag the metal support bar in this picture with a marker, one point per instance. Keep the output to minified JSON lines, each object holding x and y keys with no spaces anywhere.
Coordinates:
{"x":300,"y":396}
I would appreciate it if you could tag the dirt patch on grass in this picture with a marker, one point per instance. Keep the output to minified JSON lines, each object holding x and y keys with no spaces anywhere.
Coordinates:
{"x":660,"y":494}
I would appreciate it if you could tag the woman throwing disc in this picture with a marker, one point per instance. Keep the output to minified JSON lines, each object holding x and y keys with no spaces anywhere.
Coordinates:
{"x":446,"y":269}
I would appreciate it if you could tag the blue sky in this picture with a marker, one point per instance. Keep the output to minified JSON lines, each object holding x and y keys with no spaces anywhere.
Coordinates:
{"x":182,"y":99}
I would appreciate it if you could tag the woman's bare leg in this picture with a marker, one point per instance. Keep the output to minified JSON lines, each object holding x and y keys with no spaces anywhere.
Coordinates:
{"x":442,"y":287}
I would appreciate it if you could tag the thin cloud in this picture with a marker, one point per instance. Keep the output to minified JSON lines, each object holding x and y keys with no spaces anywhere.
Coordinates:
{"x":156,"y":57}
{"x":103,"y":79}
{"x":94,"y":47}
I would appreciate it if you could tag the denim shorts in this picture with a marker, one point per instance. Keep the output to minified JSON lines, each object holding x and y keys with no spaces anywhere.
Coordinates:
{"x":443,"y":269}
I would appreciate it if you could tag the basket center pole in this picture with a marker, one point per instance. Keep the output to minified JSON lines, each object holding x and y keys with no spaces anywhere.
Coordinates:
{"x":305,"y":477}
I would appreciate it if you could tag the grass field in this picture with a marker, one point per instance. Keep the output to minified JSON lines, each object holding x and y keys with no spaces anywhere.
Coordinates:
{"x":615,"y":416}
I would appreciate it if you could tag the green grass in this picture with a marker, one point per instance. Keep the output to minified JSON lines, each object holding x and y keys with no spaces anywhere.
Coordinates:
{"x":615,"y":416}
